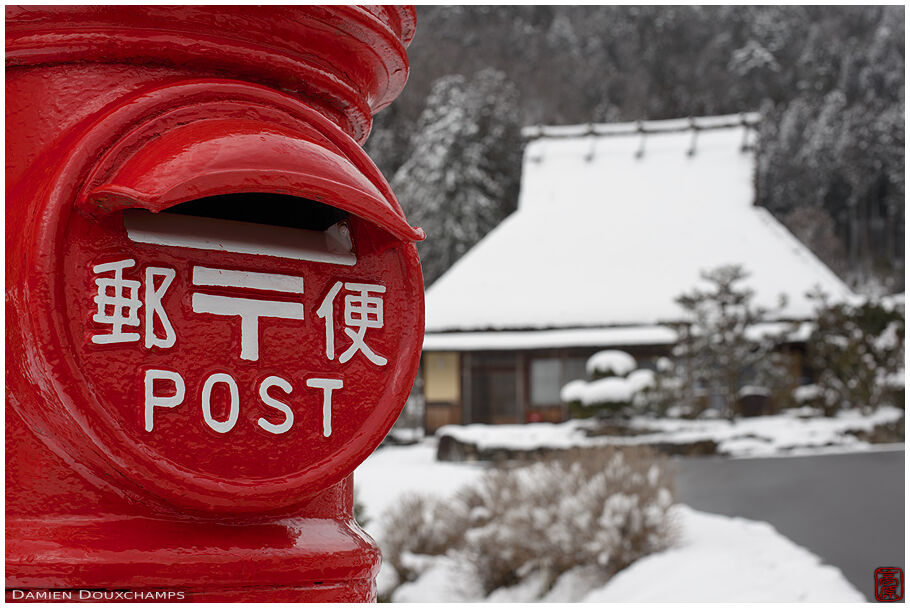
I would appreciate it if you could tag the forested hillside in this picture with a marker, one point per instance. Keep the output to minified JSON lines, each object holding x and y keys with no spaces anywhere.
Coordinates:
{"x":828,"y":81}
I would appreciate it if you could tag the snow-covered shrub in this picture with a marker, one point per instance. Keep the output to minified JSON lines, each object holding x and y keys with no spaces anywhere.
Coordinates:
{"x":607,"y":363}
{"x":857,"y":351}
{"x":607,"y":395}
{"x":605,"y":507}
{"x":641,"y":379}
{"x":420,"y":526}
{"x":573,"y":392}
{"x":612,"y":388}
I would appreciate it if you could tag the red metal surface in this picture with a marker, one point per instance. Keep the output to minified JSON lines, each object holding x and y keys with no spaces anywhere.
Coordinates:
{"x":240,"y":487}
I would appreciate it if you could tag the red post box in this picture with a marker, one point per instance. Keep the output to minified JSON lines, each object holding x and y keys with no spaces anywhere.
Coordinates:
{"x":214,"y":301}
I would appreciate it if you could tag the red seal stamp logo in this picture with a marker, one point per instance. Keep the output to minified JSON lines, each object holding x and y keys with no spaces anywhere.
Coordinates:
{"x":889,"y":584}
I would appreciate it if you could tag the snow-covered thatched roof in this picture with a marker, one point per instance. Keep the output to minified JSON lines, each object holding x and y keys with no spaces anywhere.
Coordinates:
{"x":614,"y":222}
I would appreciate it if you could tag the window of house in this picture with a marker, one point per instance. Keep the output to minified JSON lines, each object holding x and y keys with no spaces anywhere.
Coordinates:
{"x":546,"y":380}
{"x":574,"y":369}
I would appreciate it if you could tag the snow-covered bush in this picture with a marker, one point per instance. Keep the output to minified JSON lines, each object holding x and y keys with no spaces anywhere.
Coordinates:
{"x":857,"y":352}
{"x":573,"y":392}
{"x":420,"y":526}
{"x":608,"y":393}
{"x":612,"y":388}
{"x":641,"y":379}
{"x":605,"y":507}
{"x":608,"y":363}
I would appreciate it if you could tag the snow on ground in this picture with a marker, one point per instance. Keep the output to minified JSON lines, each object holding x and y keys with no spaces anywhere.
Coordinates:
{"x":721,"y":558}
{"x":715,"y":558}
{"x":786,"y":433}
{"x":393,"y":471}
{"x":523,"y":436}
{"x":770,"y":435}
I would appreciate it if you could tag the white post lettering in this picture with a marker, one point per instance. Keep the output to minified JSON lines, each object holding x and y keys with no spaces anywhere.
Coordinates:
{"x":250,"y":310}
{"x":153,"y":307}
{"x":325,"y":311}
{"x":215,"y":425}
{"x":327,"y":385}
{"x":284,"y":385}
{"x":152,"y":400}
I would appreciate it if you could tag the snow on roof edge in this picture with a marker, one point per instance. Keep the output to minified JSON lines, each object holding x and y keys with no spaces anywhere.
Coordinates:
{"x":647,"y":335}
{"x":549,"y":338}
{"x":803,"y":253}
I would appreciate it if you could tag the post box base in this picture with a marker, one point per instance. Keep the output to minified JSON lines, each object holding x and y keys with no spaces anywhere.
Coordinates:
{"x":141,"y":558}
{"x":348,"y":592}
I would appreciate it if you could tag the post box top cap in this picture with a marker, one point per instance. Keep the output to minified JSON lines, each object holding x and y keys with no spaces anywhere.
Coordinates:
{"x":349,"y":60}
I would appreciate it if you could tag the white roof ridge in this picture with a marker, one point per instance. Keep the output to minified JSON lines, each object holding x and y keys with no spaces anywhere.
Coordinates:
{"x":671,"y":125}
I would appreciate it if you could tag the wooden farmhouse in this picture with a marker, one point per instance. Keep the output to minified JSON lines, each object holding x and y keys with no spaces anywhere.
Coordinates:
{"x":614,"y":221}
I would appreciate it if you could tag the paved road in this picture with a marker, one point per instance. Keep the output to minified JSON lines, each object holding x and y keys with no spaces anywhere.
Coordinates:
{"x":846,"y":508}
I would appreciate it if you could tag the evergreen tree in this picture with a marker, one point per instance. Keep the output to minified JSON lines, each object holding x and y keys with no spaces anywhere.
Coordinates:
{"x":461,"y":176}
{"x":718,"y":352}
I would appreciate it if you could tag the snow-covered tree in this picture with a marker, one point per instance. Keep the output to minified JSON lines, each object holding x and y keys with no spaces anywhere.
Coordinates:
{"x":719,"y":351}
{"x":460,"y":178}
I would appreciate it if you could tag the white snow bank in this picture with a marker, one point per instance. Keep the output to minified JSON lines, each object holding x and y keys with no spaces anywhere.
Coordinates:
{"x":759,"y":436}
{"x":722,"y":559}
{"x":769,"y":435}
{"x":394,"y":471}
{"x":617,"y":362}
{"x":716,"y":558}
{"x":520,"y":436}
{"x":445,"y":580}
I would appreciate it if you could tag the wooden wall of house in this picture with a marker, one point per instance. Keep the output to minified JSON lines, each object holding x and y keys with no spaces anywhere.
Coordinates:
{"x":507,"y":387}
{"x":442,"y":389}
{"x":497,"y":387}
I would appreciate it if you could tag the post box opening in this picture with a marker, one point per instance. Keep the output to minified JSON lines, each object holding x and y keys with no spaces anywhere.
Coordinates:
{"x":255,"y":223}
{"x":263,"y":208}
